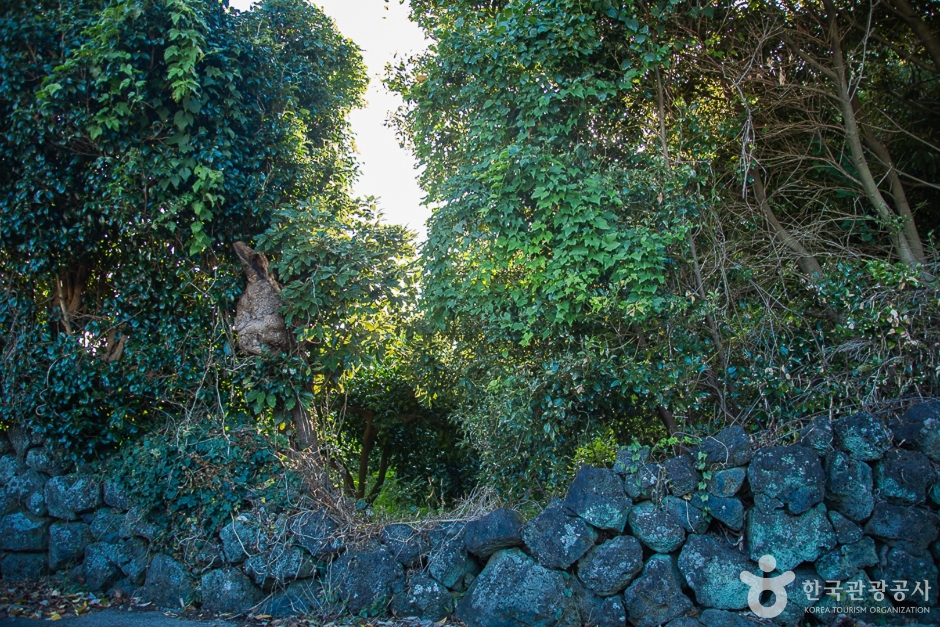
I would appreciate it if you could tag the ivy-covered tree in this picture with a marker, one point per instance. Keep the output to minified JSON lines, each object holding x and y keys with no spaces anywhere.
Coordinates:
{"x":138,"y":141}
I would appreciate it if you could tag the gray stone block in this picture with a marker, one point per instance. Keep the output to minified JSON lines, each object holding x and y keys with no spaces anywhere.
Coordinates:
{"x":423,"y":598}
{"x":317,"y":533}
{"x":682,"y":475}
{"x":910,"y":529}
{"x":70,"y":495}
{"x":849,"y":486}
{"x":903,"y":477}
{"x":368,"y":579}
{"x":17,"y":567}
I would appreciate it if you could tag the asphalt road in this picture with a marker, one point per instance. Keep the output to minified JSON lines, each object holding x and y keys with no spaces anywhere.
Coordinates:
{"x":117,"y":618}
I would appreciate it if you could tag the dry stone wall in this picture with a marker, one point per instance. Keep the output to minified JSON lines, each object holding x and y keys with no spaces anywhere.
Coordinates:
{"x":847,"y":515}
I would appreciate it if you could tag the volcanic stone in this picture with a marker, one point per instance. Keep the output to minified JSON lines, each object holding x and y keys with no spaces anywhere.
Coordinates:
{"x":919,"y":427}
{"x":903,"y":477}
{"x":556,"y":539}
{"x":317,"y":533}
{"x":789,"y":539}
{"x":862,"y":436}
{"x":818,"y":436}
{"x":910,"y":529}
{"x":597,"y":495}
{"x":404,"y":542}
{"x":424,"y":598}
{"x":712,"y":568}
{"x":682,"y":475}
{"x":169,"y":584}
{"x":898,"y":565}
{"x":24,"y":532}
{"x":656,"y":596}
{"x":70,"y":495}
{"x":726,"y":483}
{"x":689,"y":517}
{"x":67,"y":542}
{"x":846,"y":560}
{"x":228,"y":591}
{"x":609,"y":567}
{"x":514,"y":590}
{"x":23,"y":567}
{"x":368,"y":579}
{"x":789,"y":476}
{"x":849,"y":486}
{"x":655,"y":528}
{"x":501,"y":529}
{"x":728,"y":448}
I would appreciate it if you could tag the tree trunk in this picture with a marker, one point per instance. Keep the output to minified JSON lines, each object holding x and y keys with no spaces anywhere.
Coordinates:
{"x":806,"y":262}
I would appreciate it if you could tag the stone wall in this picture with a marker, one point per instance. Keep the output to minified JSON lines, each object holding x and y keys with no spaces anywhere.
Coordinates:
{"x":849,"y":505}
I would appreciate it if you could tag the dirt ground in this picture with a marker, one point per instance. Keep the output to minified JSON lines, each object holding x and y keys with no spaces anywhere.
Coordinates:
{"x":28,"y":603}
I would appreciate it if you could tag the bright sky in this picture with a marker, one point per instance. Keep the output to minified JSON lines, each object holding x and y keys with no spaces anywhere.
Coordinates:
{"x":381,"y":30}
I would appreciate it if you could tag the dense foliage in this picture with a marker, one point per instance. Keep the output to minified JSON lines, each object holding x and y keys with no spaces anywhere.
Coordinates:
{"x":673,"y":213}
{"x":138,"y":141}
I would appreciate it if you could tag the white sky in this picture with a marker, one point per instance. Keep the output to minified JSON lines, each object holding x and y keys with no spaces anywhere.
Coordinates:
{"x":381,"y":30}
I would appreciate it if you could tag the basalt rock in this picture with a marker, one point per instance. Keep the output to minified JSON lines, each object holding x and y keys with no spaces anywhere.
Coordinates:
{"x":67,"y":542}
{"x":862,"y":436}
{"x":18,"y":567}
{"x":849,"y":486}
{"x":557,"y":539}
{"x":597,"y":495}
{"x":711,"y":567}
{"x":903,"y":477}
{"x":910,"y":529}
{"x":24,"y":532}
{"x":790,"y":539}
{"x":368,"y":579}
{"x":897,"y":565}
{"x":846,"y":560}
{"x":514,"y":590}
{"x":919,"y":427}
{"x":686,"y":514}
{"x":424,"y":598}
{"x":726,"y":483}
{"x":70,"y":495}
{"x":228,"y":591}
{"x":656,"y":597}
{"x":728,"y":448}
{"x":682,"y":475}
{"x":405,"y":543}
{"x":656,"y":528}
{"x":317,"y":533}
{"x":786,"y":476}
{"x":501,"y":529}
{"x":168,"y":584}
{"x":609,"y":567}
